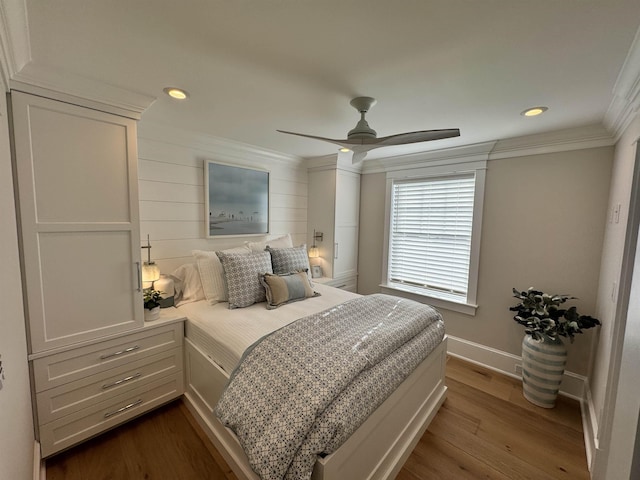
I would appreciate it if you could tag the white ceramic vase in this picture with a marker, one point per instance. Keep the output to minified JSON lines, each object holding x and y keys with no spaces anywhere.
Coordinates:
{"x":543,"y":363}
{"x":151,"y":314}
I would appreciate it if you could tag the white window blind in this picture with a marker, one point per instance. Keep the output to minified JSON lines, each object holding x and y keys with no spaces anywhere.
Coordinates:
{"x":430,"y":234}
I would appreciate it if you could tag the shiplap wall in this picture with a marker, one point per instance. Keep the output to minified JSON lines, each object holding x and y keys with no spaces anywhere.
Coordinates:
{"x":171,"y":184}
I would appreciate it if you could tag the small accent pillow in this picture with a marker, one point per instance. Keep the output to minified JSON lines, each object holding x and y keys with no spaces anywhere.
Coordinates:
{"x":287,"y":260}
{"x":287,"y":288}
{"x":212,"y":274}
{"x":242,"y":274}
{"x":283,"y":241}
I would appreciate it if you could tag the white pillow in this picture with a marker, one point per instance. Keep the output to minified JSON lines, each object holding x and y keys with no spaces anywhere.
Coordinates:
{"x":283,"y":241}
{"x":188,"y":287}
{"x":212,"y":273}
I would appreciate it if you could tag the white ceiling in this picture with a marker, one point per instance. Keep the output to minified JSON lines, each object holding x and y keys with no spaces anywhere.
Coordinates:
{"x":254,"y":66}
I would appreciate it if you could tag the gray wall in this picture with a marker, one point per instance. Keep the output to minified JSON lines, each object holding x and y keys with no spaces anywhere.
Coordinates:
{"x":543,"y":224}
{"x":615,"y":401}
{"x":16,"y":423}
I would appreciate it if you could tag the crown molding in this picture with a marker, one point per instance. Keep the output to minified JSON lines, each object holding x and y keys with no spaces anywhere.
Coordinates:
{"x":15,"y":47}
{"x":18,"y":71}
{"x":464,"y":154}
{"x":590,"y":136}
{"x":626,"y":92}
{"x":224,"y":149}
{"x":43,"y":80}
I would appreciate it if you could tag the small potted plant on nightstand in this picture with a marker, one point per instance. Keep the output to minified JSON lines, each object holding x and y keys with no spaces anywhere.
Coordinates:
{"x":544,"y":355}
{"x":151,"y":304}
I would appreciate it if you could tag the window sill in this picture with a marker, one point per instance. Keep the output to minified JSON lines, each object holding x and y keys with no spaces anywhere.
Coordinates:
{"x":466,"y":308}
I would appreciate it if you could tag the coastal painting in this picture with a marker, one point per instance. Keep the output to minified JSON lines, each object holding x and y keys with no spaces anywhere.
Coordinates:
{"x":237,"y":200}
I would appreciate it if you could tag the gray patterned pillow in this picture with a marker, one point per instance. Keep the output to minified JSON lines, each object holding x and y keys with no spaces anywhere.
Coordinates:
{"x":242,"y":273}
{"x":287,"y":260}
{"x":286,"y":288}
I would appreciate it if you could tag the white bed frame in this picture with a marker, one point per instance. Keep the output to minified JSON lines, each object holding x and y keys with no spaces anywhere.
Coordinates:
{"x":376,"y":450}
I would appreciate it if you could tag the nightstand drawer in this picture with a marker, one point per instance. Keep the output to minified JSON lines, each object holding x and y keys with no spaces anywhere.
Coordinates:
{"x":68,"y":398}
{"x":71,"y":365}
{"x":348,"y":283}
{"x":85,"y":423}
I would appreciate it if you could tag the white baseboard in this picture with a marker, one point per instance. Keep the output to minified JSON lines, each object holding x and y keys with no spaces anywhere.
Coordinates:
{"x":39,"y":470}
{"x":589,"y":425}
{"x":573,"y":385}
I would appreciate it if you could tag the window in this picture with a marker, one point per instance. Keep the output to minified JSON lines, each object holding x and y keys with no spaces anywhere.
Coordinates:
{"x":433,"y":235}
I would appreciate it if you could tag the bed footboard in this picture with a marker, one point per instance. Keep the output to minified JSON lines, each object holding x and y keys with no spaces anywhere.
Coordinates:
{"x":388,"y":435}
{"x":393,"y":429}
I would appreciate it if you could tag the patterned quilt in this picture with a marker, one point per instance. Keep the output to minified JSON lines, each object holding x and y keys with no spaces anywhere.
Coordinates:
{"x":304,"y":389}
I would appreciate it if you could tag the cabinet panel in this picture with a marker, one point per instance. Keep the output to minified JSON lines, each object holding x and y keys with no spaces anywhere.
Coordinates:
{"x":80,"y":231}
{"x":347,"y":198}
{"x":94,"y":168}
{"x":71,"y":262}
{"x":345,"y":261}
{"x":60,"y":368}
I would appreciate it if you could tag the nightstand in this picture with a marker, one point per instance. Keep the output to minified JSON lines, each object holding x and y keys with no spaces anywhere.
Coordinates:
{"x":97,"y":385}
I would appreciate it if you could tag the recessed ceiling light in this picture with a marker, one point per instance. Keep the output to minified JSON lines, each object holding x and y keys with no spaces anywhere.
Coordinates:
{"x":532,"y":112}
{"x":176,"y":93}
{"x":345,"y":149}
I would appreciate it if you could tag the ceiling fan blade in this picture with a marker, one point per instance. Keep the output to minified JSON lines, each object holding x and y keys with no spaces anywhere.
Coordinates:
{"x":324,"y":139}
{"x":359,"y":150}
{"x":341,"y":142}
{"x":416,"y":137}
{"x":357,"y":157}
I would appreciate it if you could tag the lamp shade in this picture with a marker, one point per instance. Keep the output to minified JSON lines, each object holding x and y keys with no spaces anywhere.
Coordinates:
{"x":314,"y":252}
{"x":150,"y":272}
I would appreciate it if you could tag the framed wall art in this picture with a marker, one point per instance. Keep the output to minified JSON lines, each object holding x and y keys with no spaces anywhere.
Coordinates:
{"x":236,"y":200}
{"x":316,"y":271}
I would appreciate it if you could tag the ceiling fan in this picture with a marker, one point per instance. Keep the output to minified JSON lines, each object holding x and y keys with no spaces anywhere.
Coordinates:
{"x":363,"y":138}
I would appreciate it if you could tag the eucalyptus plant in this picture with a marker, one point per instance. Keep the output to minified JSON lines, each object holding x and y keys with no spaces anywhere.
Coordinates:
{"x":541,"y":315}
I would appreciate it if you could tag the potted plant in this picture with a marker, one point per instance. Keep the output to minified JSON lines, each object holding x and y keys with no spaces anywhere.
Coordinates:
{"x":544,"y":354}
{"x":151,"y":304}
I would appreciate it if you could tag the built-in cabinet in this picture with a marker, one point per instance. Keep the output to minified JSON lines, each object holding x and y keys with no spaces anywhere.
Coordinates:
{"x":94,"y":361}
{"x":78,"y":202}
{"x":334,"y":210}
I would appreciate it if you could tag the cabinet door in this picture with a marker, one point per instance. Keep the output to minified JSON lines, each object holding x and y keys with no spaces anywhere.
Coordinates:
{"x":346,"y":224}
{"x":321,"y":215}
{"x":78,"y":203}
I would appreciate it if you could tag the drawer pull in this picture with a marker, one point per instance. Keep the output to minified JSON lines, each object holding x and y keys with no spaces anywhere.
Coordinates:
{"x":123,"y":409}
{"x":139,"y":289}
{"x":115,"y":354}
{"x":341,"y":286}
{"x":121,"y":381}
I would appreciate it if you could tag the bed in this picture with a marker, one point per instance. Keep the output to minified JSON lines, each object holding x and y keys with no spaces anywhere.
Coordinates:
{"x":388,"y":435}
{"x":216,"y":338}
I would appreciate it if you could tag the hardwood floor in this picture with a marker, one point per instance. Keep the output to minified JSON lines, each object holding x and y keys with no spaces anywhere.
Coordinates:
{"x":484,"y":430}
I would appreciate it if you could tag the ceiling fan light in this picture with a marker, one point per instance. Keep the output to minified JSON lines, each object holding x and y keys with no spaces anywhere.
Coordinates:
{"x":345,"y":150}
{"x":534,"y":111}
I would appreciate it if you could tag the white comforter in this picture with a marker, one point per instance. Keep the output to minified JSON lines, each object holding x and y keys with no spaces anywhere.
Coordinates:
{"x":230,"y":332}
